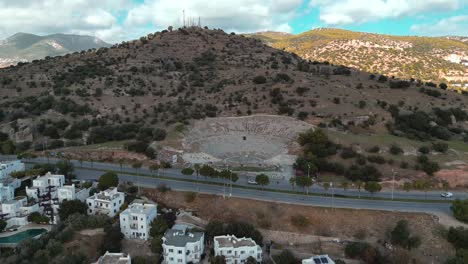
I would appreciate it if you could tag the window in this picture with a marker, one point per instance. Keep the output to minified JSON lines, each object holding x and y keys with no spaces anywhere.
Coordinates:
{"x":172,"y":259}
{"x":89,"y":204}
{"x":171,"y":250}
{"x":242,"y":252}
{"x":179,"y":260}
{"x":229,"y":251}
{"x":114,"y":204}
{"x":180,"y":251}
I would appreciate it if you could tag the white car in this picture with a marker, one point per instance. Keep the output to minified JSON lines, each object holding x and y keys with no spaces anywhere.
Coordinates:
{"x":447,"y":195}
{"x":253,"y":182}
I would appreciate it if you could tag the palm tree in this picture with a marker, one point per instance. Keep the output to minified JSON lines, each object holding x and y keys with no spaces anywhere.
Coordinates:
{"x":121,"y":161}
{"x":197,"y":171}
{"x":359,"y":185}
{"x":47,"y":153}
{"x":344,"y":185}
{"x":80,"y":160}
{"x":153,"y":167}
{"x":136,"y":166}
{"x":292,"y":181}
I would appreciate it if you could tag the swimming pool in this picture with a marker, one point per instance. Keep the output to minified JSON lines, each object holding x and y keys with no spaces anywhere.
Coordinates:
{"x":18,"y":237}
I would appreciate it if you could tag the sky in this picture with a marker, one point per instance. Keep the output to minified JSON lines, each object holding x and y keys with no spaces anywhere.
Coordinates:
{"x":119,"y":20}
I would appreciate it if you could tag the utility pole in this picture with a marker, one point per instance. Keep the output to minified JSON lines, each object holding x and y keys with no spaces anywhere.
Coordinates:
{"x":393,"y":181}
{"x":183,"y":15}
{"x":308,"y":176}
{"x":333,"y":196}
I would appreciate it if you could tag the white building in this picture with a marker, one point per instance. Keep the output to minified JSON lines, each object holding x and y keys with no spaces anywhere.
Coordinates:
{"x":7,"y":167}
{"x":181,"y":246}
{"x":71,"y":192}
{"x":7,"y":193}
{"x":107,"y":202}
{"x":114,"y":258}
{"x":135,"y":221}
{"x":15,"y":212}
{"x":236,"y":250}
{"x":40,"y":184}
{"x":321,"y":259}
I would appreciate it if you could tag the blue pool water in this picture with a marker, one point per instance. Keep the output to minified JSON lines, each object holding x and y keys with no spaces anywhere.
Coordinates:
{"x":18,"y":237}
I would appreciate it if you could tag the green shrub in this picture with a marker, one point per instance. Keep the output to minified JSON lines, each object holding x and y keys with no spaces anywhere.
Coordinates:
{"x":300,"y":221}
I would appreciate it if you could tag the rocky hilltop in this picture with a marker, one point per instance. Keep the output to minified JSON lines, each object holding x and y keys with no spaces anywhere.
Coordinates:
{"x":174,"y":77}
{"x":442,"y":59}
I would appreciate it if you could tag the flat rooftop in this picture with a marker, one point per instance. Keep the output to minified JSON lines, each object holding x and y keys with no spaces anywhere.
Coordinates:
{"x":179,"y":238}
{"x":232,"y":241}
{"x":114,"y":258}
{"x":139,"y":208}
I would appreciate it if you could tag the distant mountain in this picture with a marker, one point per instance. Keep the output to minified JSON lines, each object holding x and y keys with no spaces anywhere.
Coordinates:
{"x":438,"y":59}
{"x":23,"y":47}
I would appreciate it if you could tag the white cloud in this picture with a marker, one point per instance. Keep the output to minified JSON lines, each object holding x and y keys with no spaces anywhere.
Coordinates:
{"x":453,"y":26}
{"x":343,"y":12}
{"x":239,"y":16}
{"x":57,"y":16}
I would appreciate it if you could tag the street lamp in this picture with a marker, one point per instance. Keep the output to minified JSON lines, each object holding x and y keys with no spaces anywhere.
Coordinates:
{"x":393,"y":181}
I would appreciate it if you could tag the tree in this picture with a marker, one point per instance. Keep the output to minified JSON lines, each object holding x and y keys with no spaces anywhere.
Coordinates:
{"x":66,"y":168}
{"x":153,"y":167}
{"x":68,"y":208}
{"x":372,"y":187}
{"x":262,"y":180}
{"x":121,"y":162}
{"x":3,"y":224}
{"x":158,"y":227}
{"x":37,"y":218}
{"x":137,"y":166}
{"x":304,"y":182}
{"x":250,"y":260}
{"x":107,"y":180}
{"x":345,"y":186}
{"x":159,"y":134}
{"x":156,"y":245}
{"x":401,"y":236}
{"x":208,"y":171}
{"x":285,"y":257}
{"x":54,"y":247}
{"x":218,"y":260}
{"x":187,"y":171}
{"x":422,"y":185}
{"x":112,"y":240}
{"x":358,"y":184}
{"x":459,"y":209}
{"x":292,"y":181}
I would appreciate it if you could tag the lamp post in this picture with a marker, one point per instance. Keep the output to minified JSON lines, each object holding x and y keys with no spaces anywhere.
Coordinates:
{"x":393,"y":181}
{"x":333,"y":196}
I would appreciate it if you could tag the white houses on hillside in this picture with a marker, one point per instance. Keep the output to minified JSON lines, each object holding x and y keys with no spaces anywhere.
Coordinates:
{"x":321,"y":259}
{"x":236,"y":250}
{"x":15,"y":212}
{"x":71,"y":192}
{"x":7,"y":167}
{"x":106,"y":202}
{"x":7,"y":192}
{"x":181,"y":246}
{"x":114,"y":258}
{"x":40,"y":185}
{"x":135,"y":221}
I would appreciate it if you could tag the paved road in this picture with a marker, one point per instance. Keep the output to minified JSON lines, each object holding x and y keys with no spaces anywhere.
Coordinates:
{"x":86,"y":174}
{"x":280,"y":185}
{"x":176,"y":184}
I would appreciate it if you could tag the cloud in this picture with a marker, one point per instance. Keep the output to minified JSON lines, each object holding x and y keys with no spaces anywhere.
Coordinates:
{"x":345,"y":12}
{"x":239,"y":16}
{"x":453,"y":26}
{"x":57,"y":16}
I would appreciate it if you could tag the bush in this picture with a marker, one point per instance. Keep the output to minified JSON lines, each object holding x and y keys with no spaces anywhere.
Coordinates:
{"x":259,"y":79}
{"x":440,"y":147}
{"x":376,"y":159}
{"x":401,"y":236}
{"x":187,"y":171}
{"x":300,"y":221}
{"x":159,"y":134}
{"x":190,"y":197}
{"x":374,"y":149}
{"x":395,"y":150}
{"x":285,"y":257}
{"x":459,"y":209}
{"x":424,"y":150}
{"x":348,"y":153}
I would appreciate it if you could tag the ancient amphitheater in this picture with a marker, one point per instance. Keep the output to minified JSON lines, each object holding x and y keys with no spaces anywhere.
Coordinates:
{"x":259,"y":140}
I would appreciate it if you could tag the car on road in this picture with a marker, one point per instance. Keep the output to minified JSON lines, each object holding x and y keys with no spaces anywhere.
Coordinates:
{"x":447,"y":195}
{"x":253,"y":182}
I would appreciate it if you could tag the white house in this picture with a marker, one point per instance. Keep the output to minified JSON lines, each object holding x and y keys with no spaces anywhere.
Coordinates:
{"x":71,"y":192}
{"x":236,"y":250}
{"x":7,"y":167}
{"x":320,"y":259}
{"x":40,"y":184}
{"x":7,"y":193}
{"x":181,"y":246}
{"x":15,"y":212}
{"x":106,"y":202}
{"x":114,"y":258}
{"x":135,"y":221}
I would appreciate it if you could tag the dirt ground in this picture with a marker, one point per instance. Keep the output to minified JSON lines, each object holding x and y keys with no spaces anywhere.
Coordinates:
{"x":345,"y":224}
